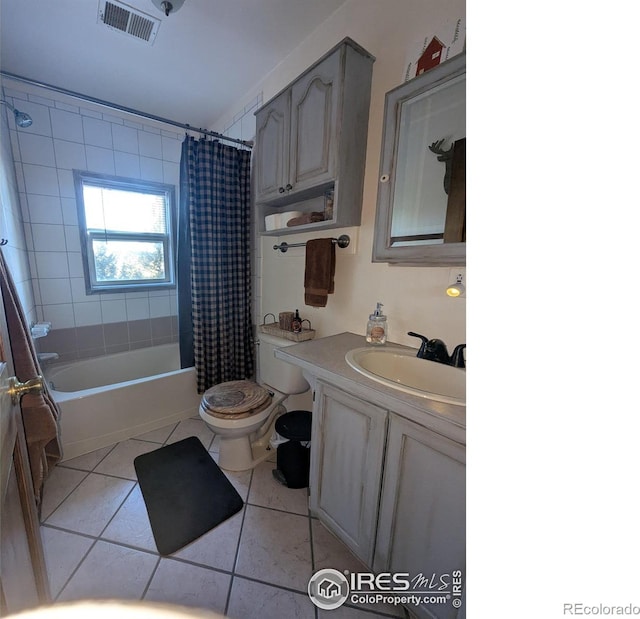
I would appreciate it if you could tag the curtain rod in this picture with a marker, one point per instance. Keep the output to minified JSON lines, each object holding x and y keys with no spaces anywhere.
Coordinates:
{"x":122,"y":108}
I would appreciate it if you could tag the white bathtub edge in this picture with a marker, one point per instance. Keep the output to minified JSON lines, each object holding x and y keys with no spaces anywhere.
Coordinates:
{"x":80,"y":448}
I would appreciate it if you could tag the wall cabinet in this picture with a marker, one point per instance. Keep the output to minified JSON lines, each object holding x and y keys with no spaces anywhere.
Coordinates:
{"x":393,"y":491}
{"x":311,"y":142}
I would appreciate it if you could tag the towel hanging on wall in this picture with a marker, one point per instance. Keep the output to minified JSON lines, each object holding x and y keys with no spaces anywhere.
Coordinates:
{"x":320,"y":267}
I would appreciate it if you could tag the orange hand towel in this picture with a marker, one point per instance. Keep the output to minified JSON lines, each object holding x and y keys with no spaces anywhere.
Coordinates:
{"x":320,"y":267}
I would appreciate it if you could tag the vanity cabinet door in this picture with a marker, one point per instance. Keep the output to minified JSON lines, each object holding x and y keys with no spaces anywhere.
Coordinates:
{"x":272,"y":148}
{"x":421,"y":527}
{"x":314,"y":122}
{"x":346,"y":467}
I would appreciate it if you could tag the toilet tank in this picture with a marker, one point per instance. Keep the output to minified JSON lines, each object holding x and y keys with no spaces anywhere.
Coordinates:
{"x":282,"y":376}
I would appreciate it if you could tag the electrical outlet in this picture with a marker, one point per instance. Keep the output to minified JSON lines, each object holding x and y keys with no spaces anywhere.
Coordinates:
{"x":455,"y":276}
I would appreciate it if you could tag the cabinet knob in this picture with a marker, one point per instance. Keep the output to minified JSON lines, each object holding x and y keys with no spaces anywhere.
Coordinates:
{"x":289,"y":187}
{"x":281,"y":189}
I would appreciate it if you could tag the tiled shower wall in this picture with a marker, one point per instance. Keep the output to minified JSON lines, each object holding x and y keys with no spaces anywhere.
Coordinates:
{"x":65,"y":136}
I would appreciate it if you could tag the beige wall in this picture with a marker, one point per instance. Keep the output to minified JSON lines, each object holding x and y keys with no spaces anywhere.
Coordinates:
{"x":413,"y":297}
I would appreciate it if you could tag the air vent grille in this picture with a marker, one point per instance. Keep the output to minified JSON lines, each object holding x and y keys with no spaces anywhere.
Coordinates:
{"x":124,"y":19}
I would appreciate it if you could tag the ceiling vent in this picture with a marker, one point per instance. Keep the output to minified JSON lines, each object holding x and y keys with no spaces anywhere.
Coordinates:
{"x":127,"y":20}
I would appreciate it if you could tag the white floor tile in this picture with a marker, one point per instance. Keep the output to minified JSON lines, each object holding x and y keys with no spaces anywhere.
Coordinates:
{"x":158,"y":436}
{"x":91,"y":505}
{"x":192,"y":427}
{"x":57,"y":487}
{"x":176,"y":582}
{"x":267,"y":492}
{"x":111,"y":571}
{"x":63,"y":552}
{"x":119,"y":462}
{"x":88,"y":462}
{"x":218,"y":547}
{"x":330,"y":552}
{"x":253,"y":599}
{"x":131,"y":525}
{"x":275,"y":548}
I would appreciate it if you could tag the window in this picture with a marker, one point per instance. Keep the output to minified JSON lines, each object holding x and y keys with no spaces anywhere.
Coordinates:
{"x":126,"y":230}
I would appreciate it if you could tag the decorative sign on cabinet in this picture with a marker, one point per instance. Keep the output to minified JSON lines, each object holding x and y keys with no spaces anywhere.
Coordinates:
{"x":311,"y":142}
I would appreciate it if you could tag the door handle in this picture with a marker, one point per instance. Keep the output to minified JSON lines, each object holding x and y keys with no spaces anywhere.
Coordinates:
{"x":17,"y":389}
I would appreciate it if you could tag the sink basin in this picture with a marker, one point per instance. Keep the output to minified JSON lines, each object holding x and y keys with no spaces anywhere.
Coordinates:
{"x":401,"y":369}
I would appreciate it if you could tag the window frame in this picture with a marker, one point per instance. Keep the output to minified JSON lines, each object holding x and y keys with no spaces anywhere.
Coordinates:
{"x":87,"y":236}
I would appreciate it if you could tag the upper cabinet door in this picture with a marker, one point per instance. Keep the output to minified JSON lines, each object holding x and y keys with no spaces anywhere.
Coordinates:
{"x":314,"y":124}
{"x":272,"y":148}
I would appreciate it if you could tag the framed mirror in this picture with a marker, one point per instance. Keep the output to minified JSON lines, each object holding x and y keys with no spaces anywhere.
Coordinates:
{"x":421,"y":210}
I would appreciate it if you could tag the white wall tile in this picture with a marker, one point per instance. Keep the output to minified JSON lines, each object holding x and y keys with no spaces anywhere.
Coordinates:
{"x":127,"y":164}
{"x":40,"y":179}
{"x":171,"y":173}
{"x":67,"y":125}
{"x":171,"y":149}
{"x":100,"y":160}
{"x":113,"y":311}
{"x":87,"y":313}
{"x":125,"y":139}
{"x":97,"y":132}
{"x":55,"y":291}
{"x":160,"y":306}
{"x":137,"y":309}
{"x":150,"y":144}
{"x":76,"y":268}
{"x":60,"y":316}
{"x":48,"y":237}
{"x":65,"y":106}
{"x":84,"y":111}
{"x":28,"y":236}
{"x":52,"y":264}
{"x":65,"y":182}
{"x":72,"y":238}
{"x":36,"y":149}
{"x":44,"y":209}
{"x":69,"y":211}
{"x":151,"y":169}
{"x":70,"y":155}
{"x":79,"y":291}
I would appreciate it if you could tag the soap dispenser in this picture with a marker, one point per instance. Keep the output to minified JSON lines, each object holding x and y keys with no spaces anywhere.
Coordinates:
{"x":377,"y":327}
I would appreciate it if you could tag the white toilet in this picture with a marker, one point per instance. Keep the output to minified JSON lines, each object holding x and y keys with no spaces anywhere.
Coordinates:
{"x":243,"y":412}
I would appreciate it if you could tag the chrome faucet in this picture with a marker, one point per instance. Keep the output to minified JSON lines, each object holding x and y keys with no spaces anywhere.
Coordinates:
{"x":436,"y":350}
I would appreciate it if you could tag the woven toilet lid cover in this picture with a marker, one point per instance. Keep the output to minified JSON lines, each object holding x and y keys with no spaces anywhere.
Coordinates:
{"x":235,"y":397}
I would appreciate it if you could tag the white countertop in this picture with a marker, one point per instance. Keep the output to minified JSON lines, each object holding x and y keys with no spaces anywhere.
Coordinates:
{"x":324,"y":358}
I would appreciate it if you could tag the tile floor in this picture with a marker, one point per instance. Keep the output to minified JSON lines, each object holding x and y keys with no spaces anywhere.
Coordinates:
{"x":98,"y":541}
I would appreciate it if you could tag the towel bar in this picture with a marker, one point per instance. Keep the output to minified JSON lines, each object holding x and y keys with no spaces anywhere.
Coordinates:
{"x":342,"y":241}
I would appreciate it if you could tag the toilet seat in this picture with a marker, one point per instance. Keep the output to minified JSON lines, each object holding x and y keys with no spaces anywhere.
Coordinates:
{"x":236,"y":399}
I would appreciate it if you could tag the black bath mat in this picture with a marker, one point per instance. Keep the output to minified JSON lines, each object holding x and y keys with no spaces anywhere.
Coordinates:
{"x":185,"y":492}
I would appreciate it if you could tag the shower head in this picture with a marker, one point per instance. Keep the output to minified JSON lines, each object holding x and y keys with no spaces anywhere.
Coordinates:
{"x":22,"y":118}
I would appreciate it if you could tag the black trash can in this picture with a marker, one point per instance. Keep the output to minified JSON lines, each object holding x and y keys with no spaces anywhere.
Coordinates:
{"x":293,"y":457}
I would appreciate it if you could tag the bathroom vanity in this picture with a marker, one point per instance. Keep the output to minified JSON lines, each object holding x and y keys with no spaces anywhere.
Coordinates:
{"x":387,"y":473}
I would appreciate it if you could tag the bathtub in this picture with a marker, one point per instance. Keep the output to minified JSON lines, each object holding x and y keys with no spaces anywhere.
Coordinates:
{"x":115,"y":397}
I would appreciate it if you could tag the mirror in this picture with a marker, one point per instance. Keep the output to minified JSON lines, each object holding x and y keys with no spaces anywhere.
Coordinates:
{"x":421,"y":211}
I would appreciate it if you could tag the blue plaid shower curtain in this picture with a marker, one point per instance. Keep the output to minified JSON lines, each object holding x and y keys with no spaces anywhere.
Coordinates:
{"x":214,"y":257}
